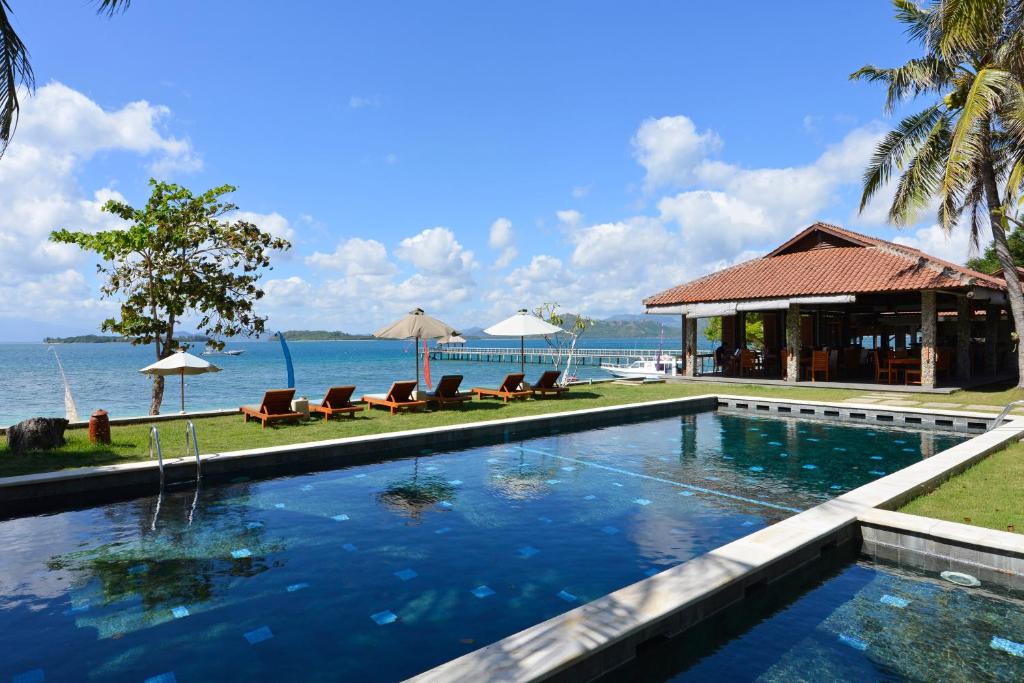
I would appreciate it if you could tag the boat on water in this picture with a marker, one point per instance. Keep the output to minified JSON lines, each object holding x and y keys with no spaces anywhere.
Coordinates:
{"x":232,"y":352}
{"x":644,"y":368}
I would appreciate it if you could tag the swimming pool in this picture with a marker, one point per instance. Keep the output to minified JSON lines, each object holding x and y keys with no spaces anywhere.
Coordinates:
{"x":380,"y":571}
{"x":876,"y":621}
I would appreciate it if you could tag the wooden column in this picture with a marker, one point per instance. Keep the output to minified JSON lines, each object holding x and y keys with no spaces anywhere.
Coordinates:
{"x":929,"y":338}
{"x":690,"y":350}
{"x":963,"y":338}
{"x":793,"y":343}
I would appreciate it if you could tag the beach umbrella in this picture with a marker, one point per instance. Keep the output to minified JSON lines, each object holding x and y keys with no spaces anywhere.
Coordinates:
{"x":416,"y":325}
{"x":522,"y":325}
{"x":452,"y":339}
{"x":412,"y":496}
{"x":180,"y":364}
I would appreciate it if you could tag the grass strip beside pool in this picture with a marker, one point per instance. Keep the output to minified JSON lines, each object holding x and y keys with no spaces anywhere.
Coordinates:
{"x":990,"y":494}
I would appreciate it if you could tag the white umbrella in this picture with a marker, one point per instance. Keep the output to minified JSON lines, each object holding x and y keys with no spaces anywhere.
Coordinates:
{"x":181,"y":364}
{"x":418,"y":325}
{"x":522,"y":325}
{"x":452,"y":339}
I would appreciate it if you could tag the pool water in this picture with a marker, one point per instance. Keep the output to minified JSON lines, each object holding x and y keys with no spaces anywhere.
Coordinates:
{"x":880,"y":622}
{"x":378,"y":572}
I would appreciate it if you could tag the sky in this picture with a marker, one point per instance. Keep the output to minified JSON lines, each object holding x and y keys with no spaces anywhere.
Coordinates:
{"x":467,"y":158}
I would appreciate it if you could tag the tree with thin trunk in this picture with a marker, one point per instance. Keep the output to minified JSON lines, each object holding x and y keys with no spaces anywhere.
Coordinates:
{"x":16,"y":70}
{"x":180,"y":258}
{"x":965,"y":150}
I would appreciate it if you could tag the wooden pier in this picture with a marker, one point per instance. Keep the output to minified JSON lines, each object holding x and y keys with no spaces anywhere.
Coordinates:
{"x":508,"y":354}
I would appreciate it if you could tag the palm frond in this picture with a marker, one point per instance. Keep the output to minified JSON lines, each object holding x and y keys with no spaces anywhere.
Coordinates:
{"x":917,"y":76}
{"x":112,"y":7}
{"x":919,"y":22}
{"x":15,"y":71}
{"x":969,"y":26}
{"x":924,"y":173}
{"x":895,"y":147}
{"x":971,"y":139}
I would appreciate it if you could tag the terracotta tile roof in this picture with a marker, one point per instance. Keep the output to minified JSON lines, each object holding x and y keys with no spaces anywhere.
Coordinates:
{"x":826,"y":259}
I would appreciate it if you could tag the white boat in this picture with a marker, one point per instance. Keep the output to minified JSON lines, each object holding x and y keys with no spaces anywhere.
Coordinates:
{"x":643,"y":368}
{"x":232,"y":352}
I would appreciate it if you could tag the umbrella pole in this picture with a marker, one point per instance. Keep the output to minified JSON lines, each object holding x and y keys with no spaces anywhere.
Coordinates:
{"x":182,"y":373}
{"x":522,"y":356}
{"x":416,"y":355}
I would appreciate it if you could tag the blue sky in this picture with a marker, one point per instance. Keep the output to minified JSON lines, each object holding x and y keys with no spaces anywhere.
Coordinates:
{"x":470,"y":158}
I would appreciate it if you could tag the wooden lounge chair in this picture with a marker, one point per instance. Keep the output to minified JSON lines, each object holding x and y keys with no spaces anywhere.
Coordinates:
{"x":275,"y":407}
{"x":508,"y":389}
{"x":338,"y":401}
{"x":399,"y":396}
{"x":546,"y":384}
{"x":447,"y":392}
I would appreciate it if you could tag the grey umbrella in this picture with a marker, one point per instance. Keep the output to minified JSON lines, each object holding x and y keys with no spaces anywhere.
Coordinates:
{"x":416,"y":325}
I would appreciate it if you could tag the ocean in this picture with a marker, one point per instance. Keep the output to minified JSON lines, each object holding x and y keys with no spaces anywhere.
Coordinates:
{"x":106,"y":375}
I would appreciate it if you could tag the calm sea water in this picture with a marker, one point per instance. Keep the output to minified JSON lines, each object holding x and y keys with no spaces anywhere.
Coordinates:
{"x":106,"y":375}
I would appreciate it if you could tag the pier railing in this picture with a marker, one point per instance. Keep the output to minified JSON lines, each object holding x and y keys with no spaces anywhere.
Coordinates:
{"x":581,"y":356}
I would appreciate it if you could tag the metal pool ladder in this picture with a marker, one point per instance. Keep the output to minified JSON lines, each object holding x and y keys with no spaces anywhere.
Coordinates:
{"x":190,"y":437}
{"x":154,"y":446}
{"x":1002,"y":416}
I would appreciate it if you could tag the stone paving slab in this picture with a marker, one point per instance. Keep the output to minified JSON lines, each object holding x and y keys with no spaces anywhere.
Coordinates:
{"x":982,"y":406}
{"x":898,"y":402}
{"x":940,"y":404}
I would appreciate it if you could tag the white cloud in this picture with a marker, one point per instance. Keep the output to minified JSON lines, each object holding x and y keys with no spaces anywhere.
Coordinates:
{"x":435,"y":251}
{"x":60,"y":131}
{"x":502,"y":237}
{"x":569,"y":217}
{"x":357,"y":258}
{"x":670,"y":148}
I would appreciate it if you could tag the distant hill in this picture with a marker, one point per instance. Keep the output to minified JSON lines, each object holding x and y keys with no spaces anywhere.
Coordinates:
{"x":109,"y":339}
{"x":320,"y":335}
{"x":622,"y":326}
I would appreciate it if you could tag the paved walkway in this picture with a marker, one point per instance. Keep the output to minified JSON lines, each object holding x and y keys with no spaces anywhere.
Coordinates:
{"x":919,"y":401}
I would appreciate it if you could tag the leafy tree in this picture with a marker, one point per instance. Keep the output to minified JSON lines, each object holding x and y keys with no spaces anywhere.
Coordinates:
{"x":179,"y":258}
{"x":755,"y":330}
{"x":989,"y":261}
{"x":966,"y":148}
{"x":15,"y":69}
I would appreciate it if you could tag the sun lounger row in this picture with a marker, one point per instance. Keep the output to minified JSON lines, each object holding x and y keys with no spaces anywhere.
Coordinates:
{"x":277,"y":403}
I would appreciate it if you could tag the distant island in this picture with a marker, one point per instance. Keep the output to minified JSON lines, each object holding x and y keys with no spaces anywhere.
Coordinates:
{"x":113,"y":339}
{"x":320,"y":335}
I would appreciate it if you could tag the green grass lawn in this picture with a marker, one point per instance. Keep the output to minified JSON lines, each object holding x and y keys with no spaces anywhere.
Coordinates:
{"x":219,"y":434}
{"x":990,"y":494}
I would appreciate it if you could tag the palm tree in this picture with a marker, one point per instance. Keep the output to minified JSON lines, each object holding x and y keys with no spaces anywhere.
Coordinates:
{"x":16,"y":71}
{"x":966,"y":148}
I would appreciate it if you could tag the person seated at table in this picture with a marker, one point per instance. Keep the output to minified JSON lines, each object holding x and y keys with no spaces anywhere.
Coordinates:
{"x":720,"y":358}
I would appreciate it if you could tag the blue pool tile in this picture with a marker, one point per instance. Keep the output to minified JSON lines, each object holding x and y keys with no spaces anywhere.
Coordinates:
{"x":180,"y":612}
{"x":443,"y":530}
{"x":340,"y":518}
{"x":455,"y":482}
{"x":350,"y":547}
{"x":590,"y":497}
{"x":747,"y":523}
{"x":686,"y":493}
{"x":783,"y":455}
{"x":1008,"y":646}
{"x":568,"y":468}
{"x":711,"y":478}
{"x":406,"y":574}
{"x":642,"y":501}
{"x":528,"y":551}
{"x":757,"y":468}
{"x":259,"y":635}
{"x":385,"y":617}
{"x":755,"y":429}
{"x":774,"y":443}
{"x":254,"y":525}
{"x":610,"y":530}
{"x":138,"y":569}
{"x":728,"y":457}
{"x":835,"y":487}
{"x":447,"y":504}
{"x":652,"y":571}
{"x":30,"y":676}
{"x":554,"y":481}
{"x":910,"y":450}
{"x":241,"y":553}
{"x":615,"y":483}
{"x":811,"y":439}
{"x":482,"y":591}
{"x":307,"y":487}
{"x":876,"y":457}
{"x":840,"y":449}
{"x":898,"y":441}
{"x":297,"y":587}
{"x":567,"y":596}
{"x":853,"y":641}
{"x":279,"y":506}
{"x":893,"y":601}
{"x":877,"y":473}
{"x":359,"y":476}
{"x":546,"y":520}
{"x":809,"y":466}
{"x":492,"y":461}
{"x":166,"y":677}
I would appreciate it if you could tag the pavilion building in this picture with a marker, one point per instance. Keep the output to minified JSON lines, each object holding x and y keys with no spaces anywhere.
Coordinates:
{"x":856,"y":302}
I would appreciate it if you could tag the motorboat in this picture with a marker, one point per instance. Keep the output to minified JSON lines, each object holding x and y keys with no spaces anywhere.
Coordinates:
{"x":232,"y":352}
{"x":644,"y":368}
